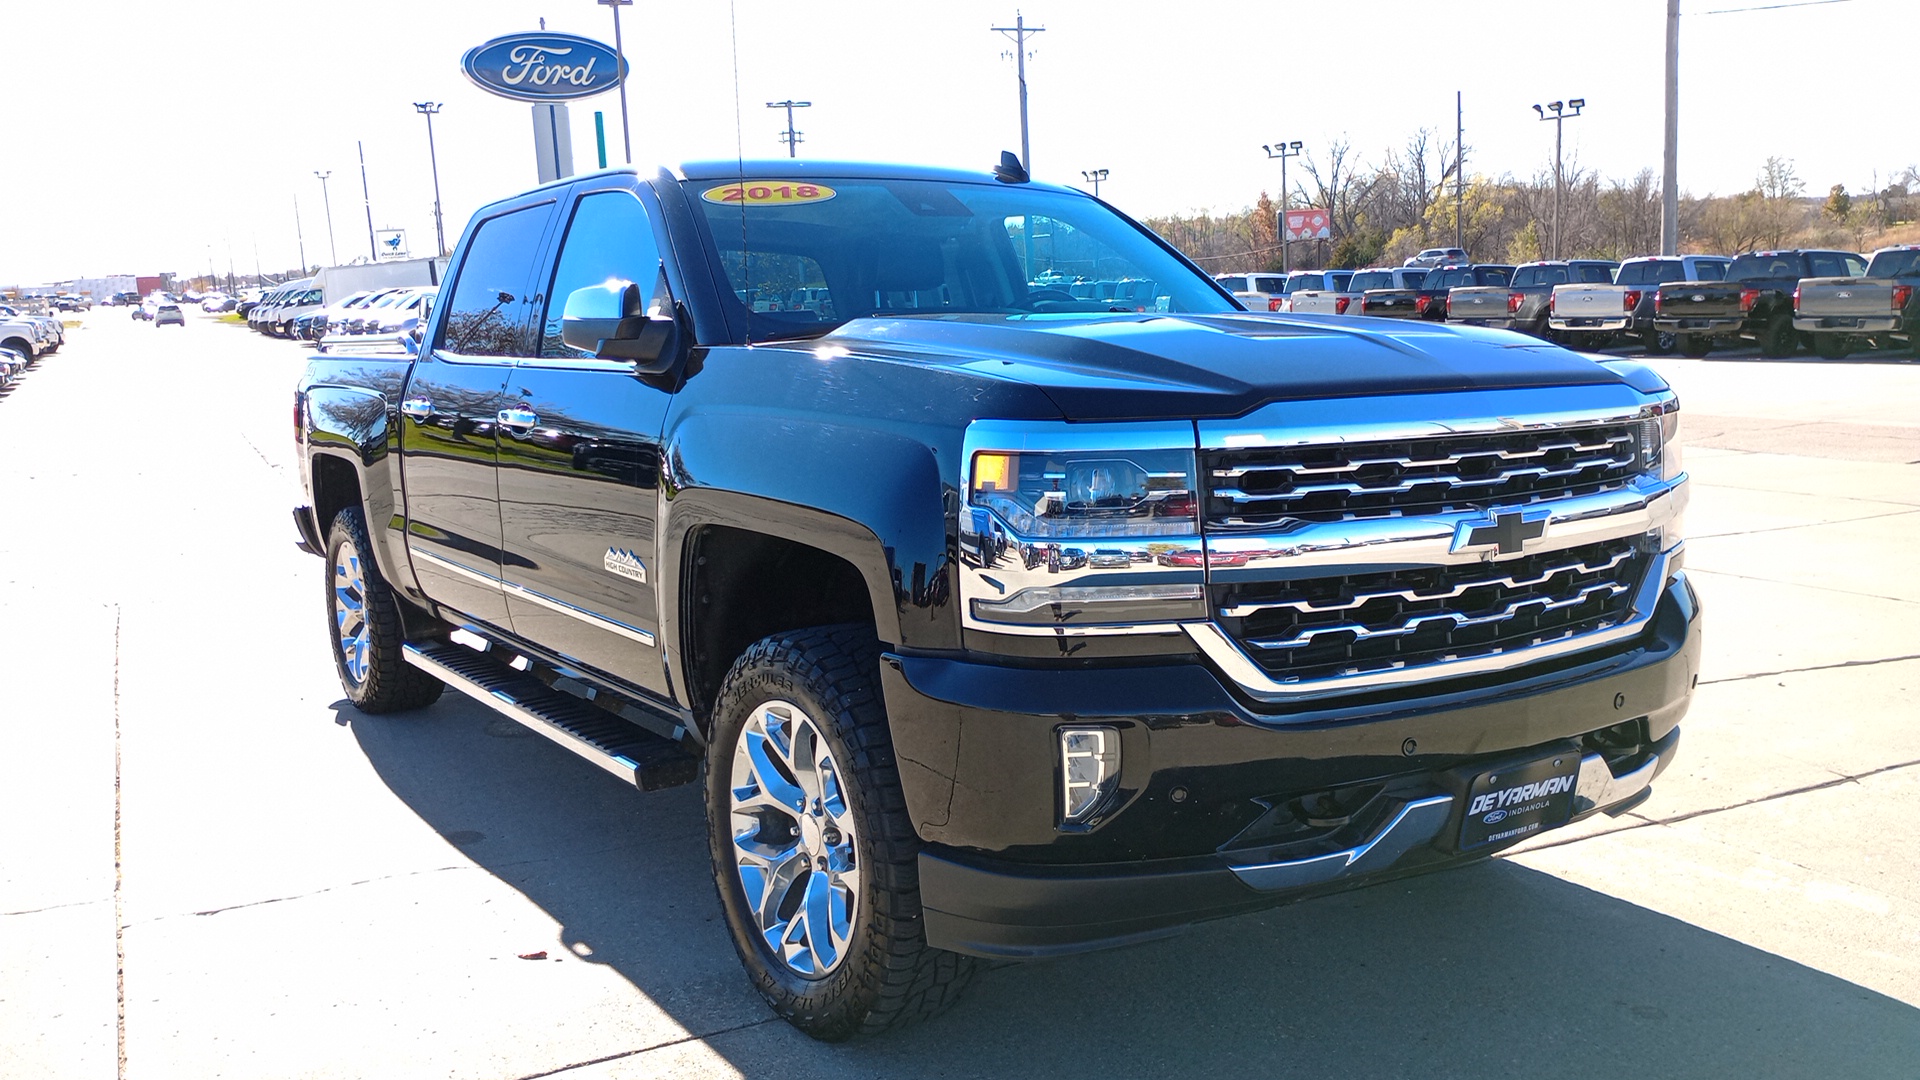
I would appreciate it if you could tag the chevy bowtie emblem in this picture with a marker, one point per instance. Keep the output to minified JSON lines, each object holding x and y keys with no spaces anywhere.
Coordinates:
{"x":1508,"y":530}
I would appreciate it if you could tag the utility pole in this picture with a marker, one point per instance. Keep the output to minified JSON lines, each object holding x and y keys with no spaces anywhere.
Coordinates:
{"x":427,"y":109}
{"x":1459,"y":174}
{"x":790,"y":136}
{"x":1670,"y":178}
{"x":1094,"y":176}
{"x":1283,"y":151}
{"x":299,"y":234}
{"x":328,"y":200}
{"x":1018,"y":33}
{"x":620,"y":57}
{"x":366,"y":201}
{"x":1556,"y":108}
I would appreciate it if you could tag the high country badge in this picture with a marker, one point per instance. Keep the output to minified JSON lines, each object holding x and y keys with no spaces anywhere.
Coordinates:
{"x":626,"y":564}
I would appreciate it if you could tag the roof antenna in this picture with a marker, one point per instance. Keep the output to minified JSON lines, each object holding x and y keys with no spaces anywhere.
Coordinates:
{"x":1010,"y":171}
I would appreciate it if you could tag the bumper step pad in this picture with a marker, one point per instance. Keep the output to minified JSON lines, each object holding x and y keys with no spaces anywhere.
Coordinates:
{"x":632,"y":753}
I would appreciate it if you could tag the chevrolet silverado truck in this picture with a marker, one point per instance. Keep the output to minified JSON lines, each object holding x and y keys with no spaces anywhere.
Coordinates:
{"x":1593,"y":315}
{"x":1524,"y":303}
{"x":992,"y":622}
{"x":1753,"y":303}
{"x":1842,"y":314}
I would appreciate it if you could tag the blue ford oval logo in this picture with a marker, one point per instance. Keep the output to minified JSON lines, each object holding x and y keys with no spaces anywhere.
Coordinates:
{"x":543,"y":67}
{"x":1495,"y":817}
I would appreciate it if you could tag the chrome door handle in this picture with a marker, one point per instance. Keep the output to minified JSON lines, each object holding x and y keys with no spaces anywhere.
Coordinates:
{"x":416,"y":408}
{"x":518,"y":421}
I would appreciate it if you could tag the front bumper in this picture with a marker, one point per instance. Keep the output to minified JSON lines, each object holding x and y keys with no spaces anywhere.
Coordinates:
{"x":1202,"y":769}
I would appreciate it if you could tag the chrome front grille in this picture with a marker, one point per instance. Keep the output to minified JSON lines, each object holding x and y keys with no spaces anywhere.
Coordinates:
{"x":1258,"y":487}
{"x":1337,"y":626}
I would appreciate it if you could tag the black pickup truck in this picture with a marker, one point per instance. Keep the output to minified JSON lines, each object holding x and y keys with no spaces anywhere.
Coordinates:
{"x":996,"y":622}
{"x":1754,"y":303}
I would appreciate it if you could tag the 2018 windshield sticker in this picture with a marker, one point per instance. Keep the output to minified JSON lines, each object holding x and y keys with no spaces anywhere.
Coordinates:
{"x":768,"y":193}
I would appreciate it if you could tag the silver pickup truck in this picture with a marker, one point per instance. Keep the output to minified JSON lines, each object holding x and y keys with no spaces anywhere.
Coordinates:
{"x":1591,"y":315}
{"x":1336,"y":297}
{"x":1841,"y":314}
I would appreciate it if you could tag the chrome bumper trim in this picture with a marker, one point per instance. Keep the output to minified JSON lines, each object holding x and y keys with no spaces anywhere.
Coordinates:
{"x":1598,"y":788}
{"x":1417,"y":823}
{"x":598,"y":622}
{"x":1214,"y":643}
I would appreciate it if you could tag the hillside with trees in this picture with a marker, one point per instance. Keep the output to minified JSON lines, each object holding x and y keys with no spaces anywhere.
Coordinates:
{"x":1381,"y":214}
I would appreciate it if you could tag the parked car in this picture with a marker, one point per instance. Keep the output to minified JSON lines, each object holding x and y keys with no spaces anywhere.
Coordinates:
{"x":1841,"y":314}
{"x":169,"y":315}
{"x":1322,"y":292}
{"x":1440,"y":257}
{"x":1390,"y":293}
{"x":1257,"y":291}
{"x":1430,"y":297}
{"x":1754,"y":303}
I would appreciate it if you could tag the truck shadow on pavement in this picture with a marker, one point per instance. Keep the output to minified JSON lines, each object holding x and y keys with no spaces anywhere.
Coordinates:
{"x":1491,"y":970}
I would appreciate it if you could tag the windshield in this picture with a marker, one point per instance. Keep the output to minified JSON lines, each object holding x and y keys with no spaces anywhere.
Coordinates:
{"x":932,"y":247}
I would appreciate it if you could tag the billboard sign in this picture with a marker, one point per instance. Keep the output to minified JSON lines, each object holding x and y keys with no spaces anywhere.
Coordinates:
{"x":391,"y":243}
{"x":1308,"y":224}
{"x":543,"y":67}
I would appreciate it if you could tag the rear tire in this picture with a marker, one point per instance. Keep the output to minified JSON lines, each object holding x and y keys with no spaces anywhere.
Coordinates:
{"x":1779,"y":341}
{"x":1657,"y":343}
{"x":1832,"y":346}
{"x":363,"y":620}
{"x":805,"y":815}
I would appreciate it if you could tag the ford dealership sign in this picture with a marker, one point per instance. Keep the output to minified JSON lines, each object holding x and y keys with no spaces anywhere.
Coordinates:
{"x":543,"y":67}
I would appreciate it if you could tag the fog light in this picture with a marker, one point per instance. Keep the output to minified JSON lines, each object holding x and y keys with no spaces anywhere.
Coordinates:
{"x":1089,"y":771}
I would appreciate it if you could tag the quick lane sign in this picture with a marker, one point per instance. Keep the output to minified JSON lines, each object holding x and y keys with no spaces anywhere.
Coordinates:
{"x":543,"y":67}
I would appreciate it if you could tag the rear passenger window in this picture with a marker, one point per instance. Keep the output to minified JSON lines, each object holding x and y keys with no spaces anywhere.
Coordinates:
{"x":1713,"y":271}
{"x":610,"y":238}
{"x":1826,"y":264}
{"x":487,"y":313}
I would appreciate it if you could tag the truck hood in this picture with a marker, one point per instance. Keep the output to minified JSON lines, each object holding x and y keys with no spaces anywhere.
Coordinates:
{"x":1137,"y":367}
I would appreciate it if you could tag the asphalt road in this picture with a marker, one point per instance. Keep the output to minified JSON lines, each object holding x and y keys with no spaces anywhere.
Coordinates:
{"x":211,"y":866}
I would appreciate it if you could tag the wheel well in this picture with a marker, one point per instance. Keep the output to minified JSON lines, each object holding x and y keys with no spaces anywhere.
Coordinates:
{"x":335,"y":487}
{"x":19,"y":345}
{"x":740,"y":586}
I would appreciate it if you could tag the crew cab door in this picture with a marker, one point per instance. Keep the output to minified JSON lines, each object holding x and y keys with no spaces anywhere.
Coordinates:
{"x":453,"y":406}
{"x":580,"y":463}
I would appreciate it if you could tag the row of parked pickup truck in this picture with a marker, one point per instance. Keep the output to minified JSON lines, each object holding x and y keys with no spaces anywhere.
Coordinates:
{"x":1834,"y":302}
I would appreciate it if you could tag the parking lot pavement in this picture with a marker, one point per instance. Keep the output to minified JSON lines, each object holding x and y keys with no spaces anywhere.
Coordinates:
{"x":303,"y":891}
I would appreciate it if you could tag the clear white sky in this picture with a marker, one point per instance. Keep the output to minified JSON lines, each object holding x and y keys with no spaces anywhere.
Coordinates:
{"x":145,"y":136}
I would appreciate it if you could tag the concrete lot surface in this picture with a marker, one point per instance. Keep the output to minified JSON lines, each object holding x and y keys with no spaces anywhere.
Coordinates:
{"x":211,"y":866}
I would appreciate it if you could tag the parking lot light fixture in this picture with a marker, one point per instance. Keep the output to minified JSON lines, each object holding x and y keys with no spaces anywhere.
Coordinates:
{"x":1283,"y":151}
{"x":331,"y":249}
{"x":428,"y":109}
{"x":1094,"y":176}
{"x":1559,"y":115}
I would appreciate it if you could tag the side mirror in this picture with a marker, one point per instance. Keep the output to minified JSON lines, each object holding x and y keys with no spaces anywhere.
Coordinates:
{"x":613,"y":322}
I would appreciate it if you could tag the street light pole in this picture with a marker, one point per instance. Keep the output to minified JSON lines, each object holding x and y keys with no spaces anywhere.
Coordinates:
{"x":1094,"y":176}
{"x":1556,"y":107}
{"x":1283,"y":151}
{"x":620,"y":57}
{"x":427,"y":109}
{"x":791,"y":137}
{"x":328,"y":200}
{"x":366,"y":201}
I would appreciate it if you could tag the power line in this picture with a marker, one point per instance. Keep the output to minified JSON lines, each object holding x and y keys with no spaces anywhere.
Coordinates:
{"x":1772,"y":7}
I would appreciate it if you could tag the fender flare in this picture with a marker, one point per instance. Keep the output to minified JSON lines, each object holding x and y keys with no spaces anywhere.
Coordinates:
{"x":350,"y":425}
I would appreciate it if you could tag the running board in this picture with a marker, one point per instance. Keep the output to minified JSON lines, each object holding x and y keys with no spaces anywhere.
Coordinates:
{"x":630,"y":752}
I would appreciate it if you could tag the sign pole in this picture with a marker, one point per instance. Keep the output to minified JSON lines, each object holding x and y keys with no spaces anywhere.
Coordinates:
{"x":600,"y":135}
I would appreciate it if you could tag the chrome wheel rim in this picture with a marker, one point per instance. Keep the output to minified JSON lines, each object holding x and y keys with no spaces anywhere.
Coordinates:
{"x":795,"y":846}
{"x":350,"y":613}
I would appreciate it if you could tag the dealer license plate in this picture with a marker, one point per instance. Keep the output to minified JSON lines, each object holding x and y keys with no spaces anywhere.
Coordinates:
{"x":1509,"y":804}
{"x":1694,"y":324}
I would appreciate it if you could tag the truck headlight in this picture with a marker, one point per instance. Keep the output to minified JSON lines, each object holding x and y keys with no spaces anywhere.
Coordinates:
{"x":1660,"y":442}
{"x":1081,"y":528}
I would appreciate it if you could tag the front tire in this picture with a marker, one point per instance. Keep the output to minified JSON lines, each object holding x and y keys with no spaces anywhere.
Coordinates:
{"x":814,"y":855}
{"x":363,"y":620}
